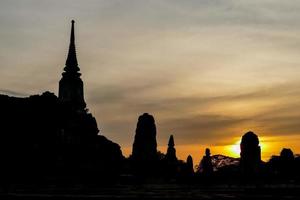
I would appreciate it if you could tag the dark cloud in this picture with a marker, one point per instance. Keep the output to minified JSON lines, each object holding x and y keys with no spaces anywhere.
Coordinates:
{"x":13,"y":93}
{"x":120,"y":112}
{"x":201,"y":129}
{"x":280,"y":125}
{"x":128,"y":96}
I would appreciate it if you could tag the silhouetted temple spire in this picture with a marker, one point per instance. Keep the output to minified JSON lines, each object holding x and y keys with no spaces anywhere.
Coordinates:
{"x":171,"y":141}
{"x":71,"y":62}
{"x":71,"y":86}
{"x":171,"y":152}
{"x":190,"y":165}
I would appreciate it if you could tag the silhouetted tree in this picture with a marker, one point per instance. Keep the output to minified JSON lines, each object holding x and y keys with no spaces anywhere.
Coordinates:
{"x":160,"y":156}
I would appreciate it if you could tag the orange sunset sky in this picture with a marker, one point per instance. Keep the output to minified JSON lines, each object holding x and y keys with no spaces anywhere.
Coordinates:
{"x":208,"y":71}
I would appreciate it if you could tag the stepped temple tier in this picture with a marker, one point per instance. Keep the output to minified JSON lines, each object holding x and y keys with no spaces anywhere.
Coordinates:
{"x":45,"y":136}
{"x":71,"y":86}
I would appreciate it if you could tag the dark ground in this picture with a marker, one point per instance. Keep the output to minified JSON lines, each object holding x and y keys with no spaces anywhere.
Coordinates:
{"x":152,"y":191}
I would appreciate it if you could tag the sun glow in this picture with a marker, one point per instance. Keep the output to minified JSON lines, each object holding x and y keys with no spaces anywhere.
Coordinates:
{"x":234,"y":150}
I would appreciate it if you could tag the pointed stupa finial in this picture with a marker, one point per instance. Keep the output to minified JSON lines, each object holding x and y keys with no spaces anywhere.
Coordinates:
{"x":72,"y":31}
{"x":171,"y":141}
{"x":71,"y":62}
{"x":189,"y":161}
{"x":190,"y":165}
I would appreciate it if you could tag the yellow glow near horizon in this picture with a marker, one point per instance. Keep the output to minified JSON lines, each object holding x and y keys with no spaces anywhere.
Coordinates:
{"x":270,"y":145}
{"x":235,"y":149}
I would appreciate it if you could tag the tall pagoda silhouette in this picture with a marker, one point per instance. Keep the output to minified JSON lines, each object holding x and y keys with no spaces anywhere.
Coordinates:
{"x":71,"y":85}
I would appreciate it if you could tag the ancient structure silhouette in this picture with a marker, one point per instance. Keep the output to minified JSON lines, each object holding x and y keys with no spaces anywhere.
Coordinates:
{"x":287,"y":155}
{"x":171,"y":161}
{"x":45,"y":138}
{"x":71,"y":85}
{"x":48,"y":136}
{"x":171,"y":152}
{"x":144,"y":145}
{"x":190,"y":165}
{"x":284,"y":165}
{"x":206,"y":167}
{"x":287,"y":163}
{"x":250,"y":160}
{"x":144,"y":151}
